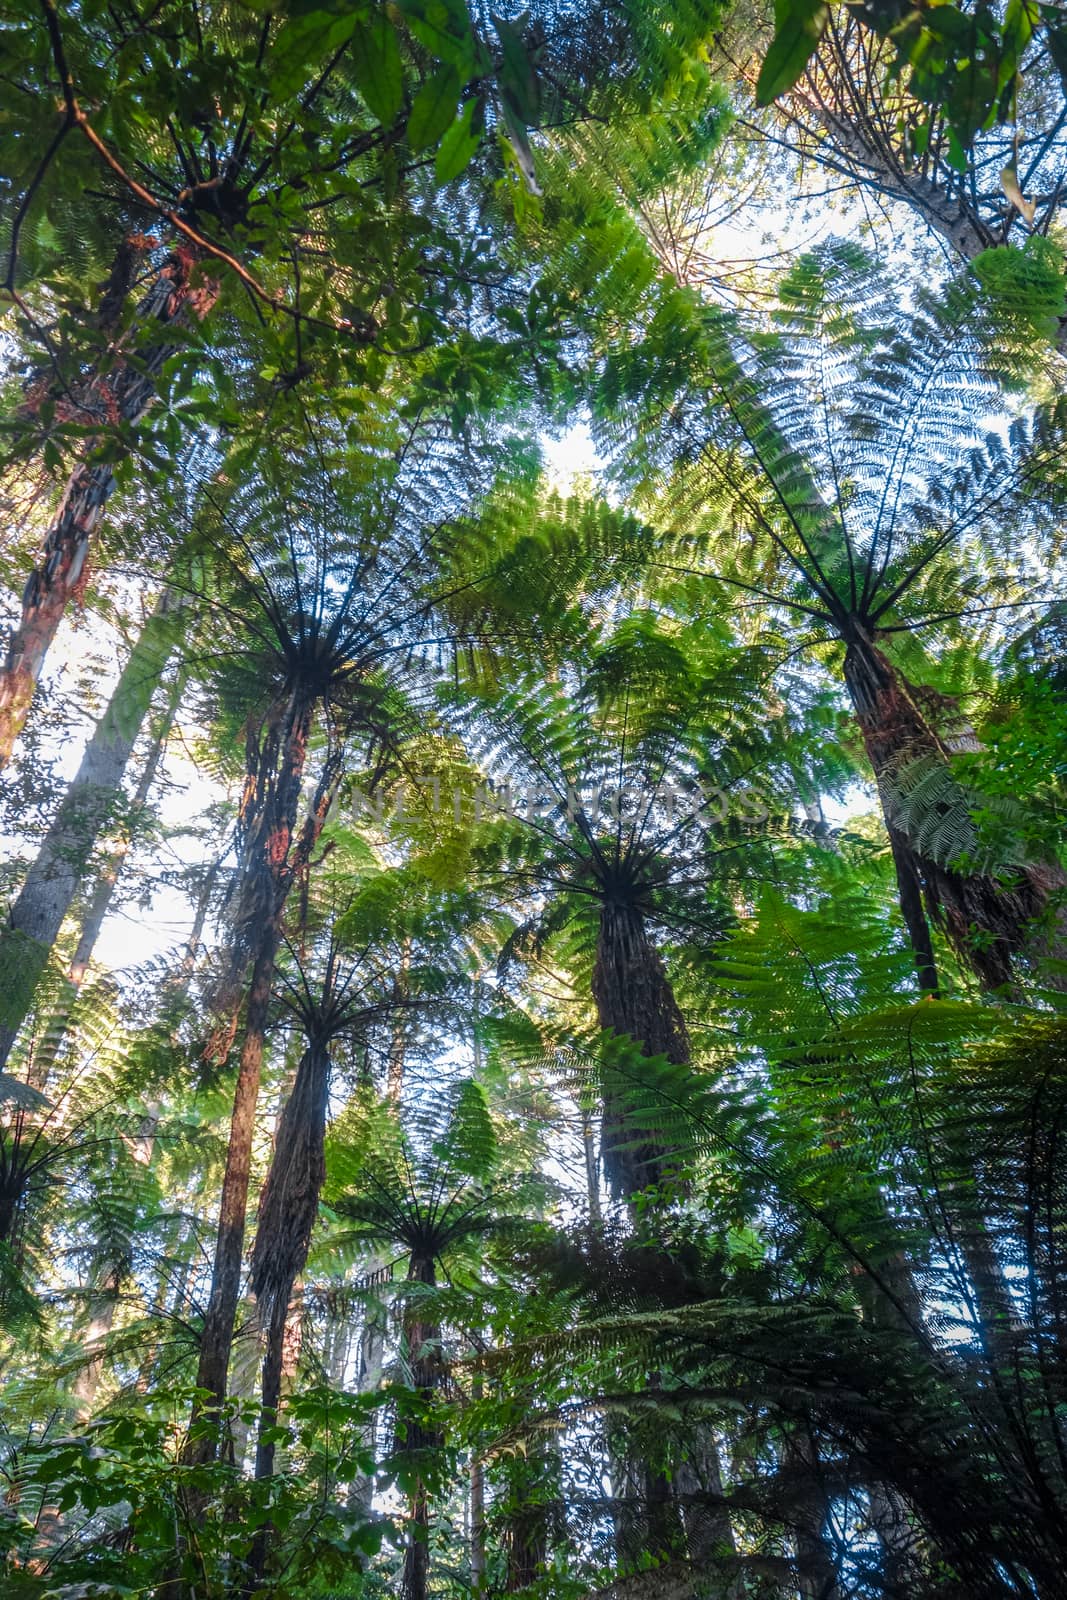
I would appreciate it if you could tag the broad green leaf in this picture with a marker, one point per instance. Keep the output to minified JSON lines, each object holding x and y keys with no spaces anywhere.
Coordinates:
{"x":516,"y":75}
{"x":378,"y":68}
{"x":458,"y":144}
{"x":1056,"y":38}
{"x":799,"y":25}
{"x":434,"y":108}
{"x":304,"y":42}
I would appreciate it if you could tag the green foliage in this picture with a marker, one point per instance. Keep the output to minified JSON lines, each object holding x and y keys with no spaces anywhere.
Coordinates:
{"x":1024,"y":286}
{"x":962,"y":59}
{"x":799,"y":27}
{"x":604,"y":1210}
{"x":124,"y":1494}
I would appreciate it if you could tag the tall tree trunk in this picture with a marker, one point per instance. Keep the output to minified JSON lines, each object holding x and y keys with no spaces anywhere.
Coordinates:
{"x":898,"y":1305}
{"x":708,"y":1531}
{"x":371,"y":1371}
{"x":104,"y":891}
{"x":987,"y":923}
{"x":103,"y":1304}
{"x":84,"y":813}
{"x":217,"y":1335}
{"x":999,"y":1322}
{"x":477,"y":1510}
{"x":373,"y":1331}
{"x":592,"y":1170}
{"x":276,"y":755}
{"x":54,"y":1032}
{"x":422,"y":1340}
{"x":634,"y":998}
{"x":288,"y":1207}
{"x":124,"y":394}
{"x":816,"y":1568}
{"x":243,"y":1379}
{"x":274,"y":1361}
{"x":877,"y":166}
{"x":394,"y":1072}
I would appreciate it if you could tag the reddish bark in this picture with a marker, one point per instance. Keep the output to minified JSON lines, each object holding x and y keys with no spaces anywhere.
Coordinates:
{"x":217,"y":1335}
{"x":123,"y":395}
{"x":272,"y":794}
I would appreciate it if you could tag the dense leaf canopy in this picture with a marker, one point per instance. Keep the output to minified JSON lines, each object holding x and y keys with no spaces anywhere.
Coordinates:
{"x":534,"y":929}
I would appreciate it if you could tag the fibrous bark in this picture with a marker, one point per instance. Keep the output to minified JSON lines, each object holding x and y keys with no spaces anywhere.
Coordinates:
{"x":217,"y":1334}
{"x":422,"y":1339}
{"x":288,"y":1207}
{"x":276,"y":758}
{"x":988,"y":923}
{"x":633,"y":998}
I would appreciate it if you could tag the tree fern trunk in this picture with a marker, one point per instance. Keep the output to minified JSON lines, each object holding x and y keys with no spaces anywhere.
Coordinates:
{"x":988,"y":924}
{"x":422,"y":1340}
{"x":288,"y":1207}
{"x":633,"y":998}
{"x":275,"y":766}
{"x":217,"y":1335}
{"x":57,"y":872}
{"x":123,"y":395}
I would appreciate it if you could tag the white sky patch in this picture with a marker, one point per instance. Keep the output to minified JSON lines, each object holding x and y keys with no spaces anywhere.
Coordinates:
{"x":570,"y":457}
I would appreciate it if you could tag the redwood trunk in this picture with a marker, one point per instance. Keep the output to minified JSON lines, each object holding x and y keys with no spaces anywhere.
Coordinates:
{"x":122,"y":396}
